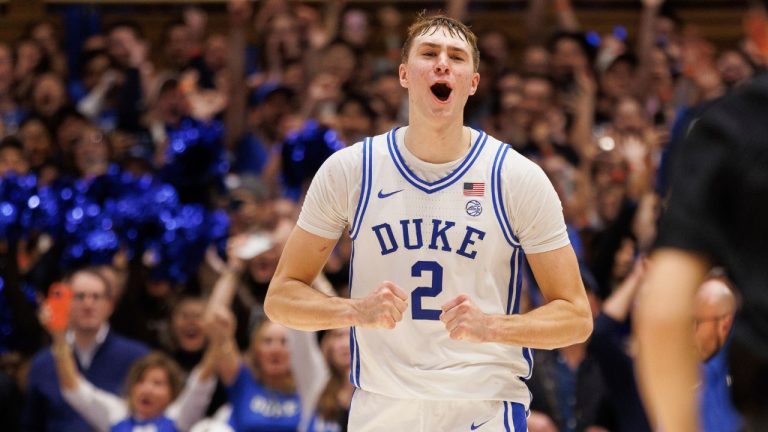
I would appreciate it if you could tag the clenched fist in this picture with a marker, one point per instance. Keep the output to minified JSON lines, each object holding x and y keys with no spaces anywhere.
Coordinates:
{"x":383,"y":308}
{"x":464,"y":320}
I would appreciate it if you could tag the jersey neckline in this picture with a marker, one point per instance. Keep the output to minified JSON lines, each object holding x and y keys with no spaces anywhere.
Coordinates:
{"x":444,"y":182}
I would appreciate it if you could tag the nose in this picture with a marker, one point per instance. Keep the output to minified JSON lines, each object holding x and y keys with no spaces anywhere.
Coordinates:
{"x":441,"y":66}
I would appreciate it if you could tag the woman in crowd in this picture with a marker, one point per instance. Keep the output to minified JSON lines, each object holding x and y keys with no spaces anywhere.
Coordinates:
{"x":332,"y":410}
{"x":156,"y":397}
{"x":263,"y":390}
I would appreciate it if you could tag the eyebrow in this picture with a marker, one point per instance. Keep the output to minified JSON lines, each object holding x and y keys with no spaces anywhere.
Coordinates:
{"x":450,"y":47}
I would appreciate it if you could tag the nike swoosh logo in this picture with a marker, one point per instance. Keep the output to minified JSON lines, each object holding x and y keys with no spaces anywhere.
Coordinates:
{"x":473,"y":427}
{"x":384,"y":195}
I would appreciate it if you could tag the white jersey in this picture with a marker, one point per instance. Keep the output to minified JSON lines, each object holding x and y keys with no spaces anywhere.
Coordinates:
{"x":437,"y":237}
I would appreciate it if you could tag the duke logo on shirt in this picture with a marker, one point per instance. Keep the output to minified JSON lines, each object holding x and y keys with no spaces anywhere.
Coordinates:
{"x":274,"y":408}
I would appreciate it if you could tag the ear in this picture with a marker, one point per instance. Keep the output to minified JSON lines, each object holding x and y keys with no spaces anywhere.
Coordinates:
{"x":475,"y":82}
{"x":725,"y":326}
{"x":403,"y":75}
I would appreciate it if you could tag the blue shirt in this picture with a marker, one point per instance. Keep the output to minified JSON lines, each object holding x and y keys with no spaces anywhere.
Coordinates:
{"x":256,"y":408}
{"x":717,"y":411}
{"x":160,"y":424}
{"x":45,"y":408}
{"x":319,"y":424}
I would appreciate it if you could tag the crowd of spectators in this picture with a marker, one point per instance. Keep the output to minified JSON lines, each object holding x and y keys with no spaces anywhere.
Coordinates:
{"x":160,"y":181}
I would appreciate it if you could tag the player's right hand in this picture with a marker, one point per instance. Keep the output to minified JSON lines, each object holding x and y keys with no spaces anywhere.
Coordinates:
{"x":383,"y":308}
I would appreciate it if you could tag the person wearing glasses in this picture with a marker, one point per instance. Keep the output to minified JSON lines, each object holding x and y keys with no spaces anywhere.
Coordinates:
{"x":102,"y":357}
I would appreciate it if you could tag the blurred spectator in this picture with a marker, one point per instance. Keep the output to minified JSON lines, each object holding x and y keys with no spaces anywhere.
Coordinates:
{"x":332,"y":412}
{"x":714,"y":310}
{"x":568,"y":391}
{"x":157,"y":397}
{"x":101,"y":356}
{"x":262,"y":390}
{"x":10,"y":113}
{"x":614,"y":350}
{"x":48,"y":35}
{"x":29,"y":61}
{"x":188,"y":341}
{"x":12,"y":160}
{"x":39,"y":148}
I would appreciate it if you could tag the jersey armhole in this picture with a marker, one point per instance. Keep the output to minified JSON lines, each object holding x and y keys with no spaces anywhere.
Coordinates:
{"x":498,"y":198}
{"x":365,"y":190}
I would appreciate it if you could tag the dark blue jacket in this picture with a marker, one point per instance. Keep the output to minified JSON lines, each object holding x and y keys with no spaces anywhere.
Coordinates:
{"x":45,"y":408}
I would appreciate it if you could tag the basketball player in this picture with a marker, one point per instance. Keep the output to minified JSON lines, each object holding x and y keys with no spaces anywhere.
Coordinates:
{"x":717,"y":215}
{"x":440,"y":216}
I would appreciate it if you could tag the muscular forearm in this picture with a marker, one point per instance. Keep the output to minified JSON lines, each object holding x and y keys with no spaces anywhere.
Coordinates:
{"x":299,"y":306}
{"x":557,"y":324}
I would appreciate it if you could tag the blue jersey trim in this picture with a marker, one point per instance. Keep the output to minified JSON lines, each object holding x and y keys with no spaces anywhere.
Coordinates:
{"x":353,"y":348}
{"x":392,"y":139}
{"x":365,"y":191}
{"x":513,"y":296}
{"x":496,"y":192}
{"x":498,"y":200}
{"x":357,"y":361}
{"x":438,"y":185}
{"x":518,"y":280}
{"x":519,"y":421}
{"x":352,"y":358}
{"x":506,"y":416}
{"x":528,"y":355}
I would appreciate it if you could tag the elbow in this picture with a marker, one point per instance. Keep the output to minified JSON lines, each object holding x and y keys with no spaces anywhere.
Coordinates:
{"x":587,"y":325}
{"x":583,"y":327}
{"x":270,"y":310}
{"x":272,"y":303}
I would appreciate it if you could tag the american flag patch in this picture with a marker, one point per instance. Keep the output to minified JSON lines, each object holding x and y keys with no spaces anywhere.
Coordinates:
{"x":474,"y":189}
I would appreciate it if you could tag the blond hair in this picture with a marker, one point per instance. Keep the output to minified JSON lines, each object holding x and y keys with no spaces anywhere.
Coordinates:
{"x":430,"y":24}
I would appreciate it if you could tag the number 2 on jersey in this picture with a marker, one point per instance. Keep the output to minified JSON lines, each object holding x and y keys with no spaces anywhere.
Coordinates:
{"x":436,"y":288}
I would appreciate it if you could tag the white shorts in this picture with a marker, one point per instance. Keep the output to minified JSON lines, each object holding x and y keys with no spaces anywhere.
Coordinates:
{"x":371,"y":412}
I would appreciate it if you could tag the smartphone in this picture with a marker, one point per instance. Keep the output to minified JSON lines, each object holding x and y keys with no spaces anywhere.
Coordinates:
{"x":256,"y":244}
{"x":59,"y":302}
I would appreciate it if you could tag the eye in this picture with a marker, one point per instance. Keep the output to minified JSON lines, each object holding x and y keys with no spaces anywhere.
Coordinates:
{"x":457,"y":58}
{"x":429,"y":53}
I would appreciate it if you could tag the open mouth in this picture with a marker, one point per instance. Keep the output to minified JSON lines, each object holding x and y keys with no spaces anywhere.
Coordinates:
{"x":441,"y":91}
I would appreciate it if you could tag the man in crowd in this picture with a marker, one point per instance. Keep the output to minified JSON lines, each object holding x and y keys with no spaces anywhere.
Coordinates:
{"x":102,"y":357}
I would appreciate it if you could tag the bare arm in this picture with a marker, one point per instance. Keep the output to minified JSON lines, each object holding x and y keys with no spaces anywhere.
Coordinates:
{"x":583,"y":104}
{"x":66,"y":370}
{"x":332,"y":19}
{"x":457,"y":9}
{"x":645,"y":45}
{"x":239,"y":12}
{"x":101,"y":409}
{"x":190,"y":406}
{"x":566,"y":17}
{"x":534,"y":19}
{"x":618,"y":304}
{"x":565,"y":319}
{"x":292,"y":301}
{"x":667,"y":362}
{"x":220,"y":327}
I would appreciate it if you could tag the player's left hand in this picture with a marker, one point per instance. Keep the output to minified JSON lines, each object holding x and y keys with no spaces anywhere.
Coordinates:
{"x":464,"y":320}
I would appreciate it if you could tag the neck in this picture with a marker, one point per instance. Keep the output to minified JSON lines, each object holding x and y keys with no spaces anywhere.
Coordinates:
{"x":275,"y":382}
{"x":437,"y":142}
